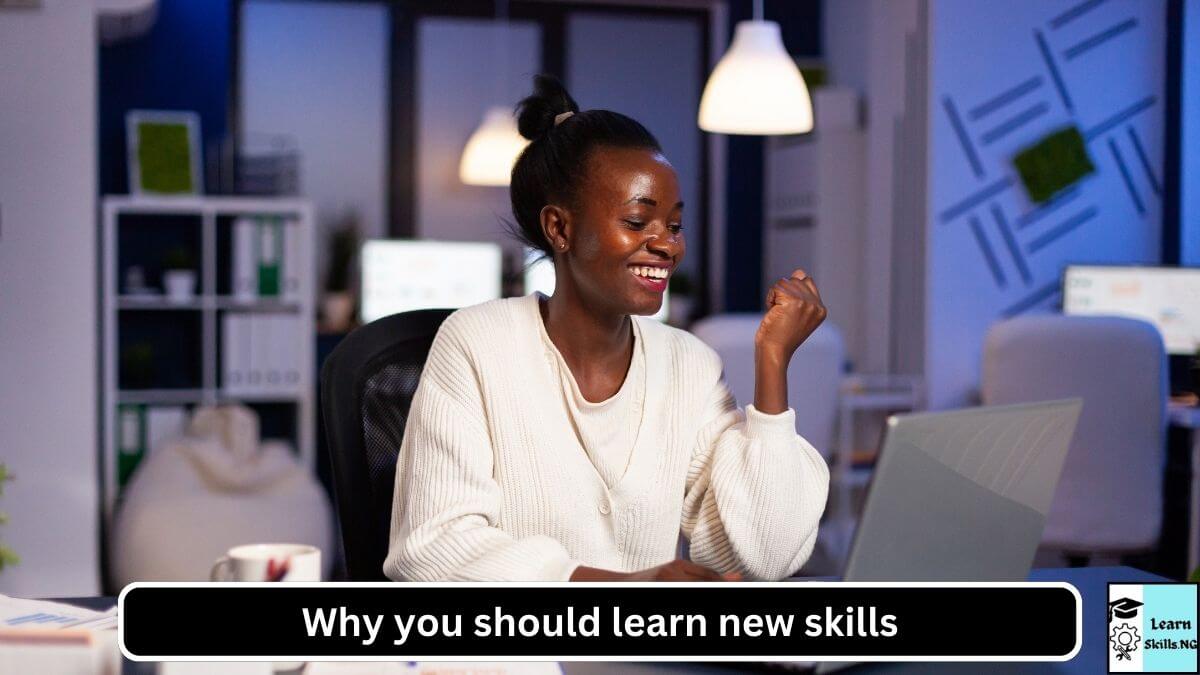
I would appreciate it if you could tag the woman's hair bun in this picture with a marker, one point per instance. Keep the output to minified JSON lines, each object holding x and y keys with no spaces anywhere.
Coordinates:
{"x":536,"y":112}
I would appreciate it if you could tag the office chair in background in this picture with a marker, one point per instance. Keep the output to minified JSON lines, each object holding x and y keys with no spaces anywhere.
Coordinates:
{"x":1109,"y":498}
{"x":367,"y":387}
{"x":814,"y":375}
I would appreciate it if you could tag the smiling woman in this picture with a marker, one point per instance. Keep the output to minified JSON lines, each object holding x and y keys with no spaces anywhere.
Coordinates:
{"x":569,"y":438}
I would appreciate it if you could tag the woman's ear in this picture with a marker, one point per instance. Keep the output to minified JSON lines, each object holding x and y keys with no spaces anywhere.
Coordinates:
{"x":556,"y":226}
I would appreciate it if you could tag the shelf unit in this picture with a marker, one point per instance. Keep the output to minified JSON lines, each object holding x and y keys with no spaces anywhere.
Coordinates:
{"x":211,"y":213}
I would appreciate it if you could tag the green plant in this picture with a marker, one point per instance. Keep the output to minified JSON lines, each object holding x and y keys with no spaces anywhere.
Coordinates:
{"x":7,"y":556}
{"x":343,"y":247}
{"x":137,"y":365}
{"x":178,"y":258}
{"x":1054,"y":163}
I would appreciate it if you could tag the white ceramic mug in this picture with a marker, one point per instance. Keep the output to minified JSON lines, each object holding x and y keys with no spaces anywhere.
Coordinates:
{"x":269,"y":562}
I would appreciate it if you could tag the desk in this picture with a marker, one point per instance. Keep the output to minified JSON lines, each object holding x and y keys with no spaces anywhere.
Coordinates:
{"x":1092,"y":583}
{"x":1188,"y":417}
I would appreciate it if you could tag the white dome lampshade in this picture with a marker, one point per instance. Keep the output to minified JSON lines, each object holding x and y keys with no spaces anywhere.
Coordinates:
{"x":756,"y":87}
{"x":492,"y":149}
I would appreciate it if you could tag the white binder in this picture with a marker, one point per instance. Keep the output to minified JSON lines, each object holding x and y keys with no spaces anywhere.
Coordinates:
{"x":244,"y":270}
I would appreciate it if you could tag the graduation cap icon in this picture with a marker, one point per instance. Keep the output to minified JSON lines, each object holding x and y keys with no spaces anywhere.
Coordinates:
{"x":1123,"y":608}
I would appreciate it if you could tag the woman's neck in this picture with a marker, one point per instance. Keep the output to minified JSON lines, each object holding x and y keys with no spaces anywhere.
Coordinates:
{"x":587,"y":336}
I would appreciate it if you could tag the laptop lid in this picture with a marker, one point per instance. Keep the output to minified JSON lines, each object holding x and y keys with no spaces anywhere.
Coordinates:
{"x":962,"y":495}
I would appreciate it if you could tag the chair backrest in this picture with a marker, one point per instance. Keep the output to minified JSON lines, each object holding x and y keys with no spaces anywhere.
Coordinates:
{"x":1109,"y":498}
{"x":367,"y":387}
{"x":814,"y":376}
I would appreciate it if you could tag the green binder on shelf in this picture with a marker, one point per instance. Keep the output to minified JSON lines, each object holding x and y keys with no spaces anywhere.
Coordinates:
{"x":131,"y":440}
{"x":270,"y":256}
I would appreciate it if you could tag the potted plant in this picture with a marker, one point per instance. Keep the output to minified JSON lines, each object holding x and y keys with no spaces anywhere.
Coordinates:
{"x":337,"y":301}
{"x":7,"y":556}
{"x":179,"y":275}
{"x":137,"y":366}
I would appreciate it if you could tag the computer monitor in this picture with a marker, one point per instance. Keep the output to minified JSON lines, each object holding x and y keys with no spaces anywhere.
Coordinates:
{"x":539,"y":276}
{"x":1168,"y":297}
{"x":403,"y":275}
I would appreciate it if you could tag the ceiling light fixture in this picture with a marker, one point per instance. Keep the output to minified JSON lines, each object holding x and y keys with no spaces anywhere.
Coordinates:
{"x":756,"y":87}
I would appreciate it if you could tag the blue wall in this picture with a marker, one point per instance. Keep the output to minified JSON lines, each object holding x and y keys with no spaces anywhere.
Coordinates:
{"x":183,"y":63}
{"x":1003,"y":75}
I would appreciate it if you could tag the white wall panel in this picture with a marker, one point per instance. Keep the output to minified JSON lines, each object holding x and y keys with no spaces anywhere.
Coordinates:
{"x":48,"y":331}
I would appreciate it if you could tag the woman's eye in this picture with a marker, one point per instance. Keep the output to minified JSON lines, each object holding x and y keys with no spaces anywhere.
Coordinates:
{"x":675,"y":227}
{"x":635,"y":224}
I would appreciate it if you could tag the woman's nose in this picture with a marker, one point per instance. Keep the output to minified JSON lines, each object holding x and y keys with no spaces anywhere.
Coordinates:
{"x":666,"y":243}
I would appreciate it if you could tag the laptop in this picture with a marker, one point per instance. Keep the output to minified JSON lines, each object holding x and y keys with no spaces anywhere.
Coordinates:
{"x":962,"y":495}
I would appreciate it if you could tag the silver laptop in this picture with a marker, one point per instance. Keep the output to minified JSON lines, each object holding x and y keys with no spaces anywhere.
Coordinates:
{"x":962,"y":495}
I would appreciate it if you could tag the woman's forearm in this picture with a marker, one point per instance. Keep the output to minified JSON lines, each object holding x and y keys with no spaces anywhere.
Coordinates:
{"x":770,"y":381}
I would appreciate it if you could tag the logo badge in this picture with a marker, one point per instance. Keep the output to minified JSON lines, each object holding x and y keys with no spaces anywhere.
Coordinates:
{"x":1152,"y":628}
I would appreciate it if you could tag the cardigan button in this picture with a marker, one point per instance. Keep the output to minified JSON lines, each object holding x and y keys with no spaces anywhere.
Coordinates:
{"x":604,"y":508}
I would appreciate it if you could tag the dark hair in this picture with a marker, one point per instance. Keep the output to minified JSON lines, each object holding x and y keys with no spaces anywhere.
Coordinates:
{"x":552,"y":166}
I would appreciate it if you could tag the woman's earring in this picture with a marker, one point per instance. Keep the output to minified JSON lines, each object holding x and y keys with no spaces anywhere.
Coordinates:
{"x":562,"y":244}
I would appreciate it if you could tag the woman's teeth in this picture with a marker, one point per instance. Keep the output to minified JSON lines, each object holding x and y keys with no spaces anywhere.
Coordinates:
{"x":650,"y":272}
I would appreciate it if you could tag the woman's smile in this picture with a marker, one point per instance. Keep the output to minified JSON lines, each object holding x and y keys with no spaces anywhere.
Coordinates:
{"x":652,"y":276}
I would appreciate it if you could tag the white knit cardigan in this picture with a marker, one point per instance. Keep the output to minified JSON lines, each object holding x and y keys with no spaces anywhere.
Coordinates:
{"x":492,"y":483}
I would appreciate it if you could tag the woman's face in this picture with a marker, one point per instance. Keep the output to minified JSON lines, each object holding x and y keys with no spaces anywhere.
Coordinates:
{"x":626,"y":233}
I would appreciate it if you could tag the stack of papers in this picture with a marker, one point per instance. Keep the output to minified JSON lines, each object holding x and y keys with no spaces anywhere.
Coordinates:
{"x":37,"y":636}
{"x":21,"y":614}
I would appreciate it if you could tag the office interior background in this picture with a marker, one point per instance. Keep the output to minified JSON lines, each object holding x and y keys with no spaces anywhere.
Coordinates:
{"x":325,"y":142}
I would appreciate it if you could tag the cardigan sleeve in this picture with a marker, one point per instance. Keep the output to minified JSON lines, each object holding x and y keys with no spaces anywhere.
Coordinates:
{"x":446,"y":502}
{"x":755,"y":491}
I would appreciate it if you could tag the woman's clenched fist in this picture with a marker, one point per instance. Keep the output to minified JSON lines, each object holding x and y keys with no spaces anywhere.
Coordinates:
{"x":794,"y":310}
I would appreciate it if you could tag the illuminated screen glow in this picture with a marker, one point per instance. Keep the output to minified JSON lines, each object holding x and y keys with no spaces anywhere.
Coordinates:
{"x":1168,"y":297}
{"x":400,"y":276}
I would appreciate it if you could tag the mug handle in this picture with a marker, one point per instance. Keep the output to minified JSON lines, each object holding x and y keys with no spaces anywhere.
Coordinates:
{"x":220,"y":569}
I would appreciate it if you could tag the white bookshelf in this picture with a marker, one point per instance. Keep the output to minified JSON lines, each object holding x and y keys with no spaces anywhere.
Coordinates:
{"x":211,"y":213}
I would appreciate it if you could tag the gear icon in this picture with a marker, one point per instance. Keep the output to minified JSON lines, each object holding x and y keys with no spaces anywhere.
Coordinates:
{"x":1124,"y":640}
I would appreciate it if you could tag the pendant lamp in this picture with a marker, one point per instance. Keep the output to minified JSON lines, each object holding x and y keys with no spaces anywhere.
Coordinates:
{"x":492,"y":149}
{"x":756,"y":87}
{"x":494,"y":146}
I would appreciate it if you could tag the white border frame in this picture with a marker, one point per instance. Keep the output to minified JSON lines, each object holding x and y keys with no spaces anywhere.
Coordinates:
{"x":615,"y":657}
{"x":133,"y":141}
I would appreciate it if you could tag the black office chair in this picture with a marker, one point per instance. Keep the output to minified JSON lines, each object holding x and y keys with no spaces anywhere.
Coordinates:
{"x":367,"y":387}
